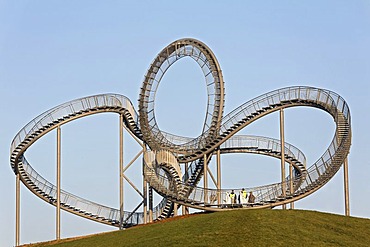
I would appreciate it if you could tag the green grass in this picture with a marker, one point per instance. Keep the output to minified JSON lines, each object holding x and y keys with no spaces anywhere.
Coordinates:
{"x":239,"y":228}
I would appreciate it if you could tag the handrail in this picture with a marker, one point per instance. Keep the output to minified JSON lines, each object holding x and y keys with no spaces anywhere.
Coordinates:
{"x":73,"y":107}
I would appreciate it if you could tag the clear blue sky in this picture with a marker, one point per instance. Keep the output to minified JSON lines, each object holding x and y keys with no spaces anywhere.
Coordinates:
{"x":55,"y":51}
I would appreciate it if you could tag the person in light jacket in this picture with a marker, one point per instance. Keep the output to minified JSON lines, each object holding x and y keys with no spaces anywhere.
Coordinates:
{"x":243,"y":196}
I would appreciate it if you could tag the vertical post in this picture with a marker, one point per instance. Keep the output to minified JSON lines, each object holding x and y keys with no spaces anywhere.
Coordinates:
{"x":184,"y":208}
{"x":291,"y":184}
{"x":218,"y":160}
{"x":121,"y":181}
{"x":282,"y":143}
{"x":17,"y":209}
{"x":150,"y":204}
{"x":145,"y":190}
{"x":145,"y":199}
{"x":346,"y":187}
{"x":59,"y":148}
{"x":205,"y":178}
{"x":175,"y":209}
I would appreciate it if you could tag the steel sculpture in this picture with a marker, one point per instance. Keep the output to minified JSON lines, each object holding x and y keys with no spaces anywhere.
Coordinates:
{"x":165,"y":154}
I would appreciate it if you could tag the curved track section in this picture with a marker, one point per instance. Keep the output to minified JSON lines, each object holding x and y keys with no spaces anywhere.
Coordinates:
{"x":58,"y":116}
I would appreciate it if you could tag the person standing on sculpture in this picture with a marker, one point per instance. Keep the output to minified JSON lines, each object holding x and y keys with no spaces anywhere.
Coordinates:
{"x":251,"y":197}
{"x":243,"y":196}
{"x":232,"y":197}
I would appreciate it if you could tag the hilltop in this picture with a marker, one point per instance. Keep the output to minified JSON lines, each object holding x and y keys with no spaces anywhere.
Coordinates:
{"x":238,"y":228}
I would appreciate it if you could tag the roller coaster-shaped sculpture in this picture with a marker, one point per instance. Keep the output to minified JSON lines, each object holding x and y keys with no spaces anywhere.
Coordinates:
{"x":164,"y":152}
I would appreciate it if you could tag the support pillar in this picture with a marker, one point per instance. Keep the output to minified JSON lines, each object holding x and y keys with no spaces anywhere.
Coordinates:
{"x":145,"y":191}
{"x":282,"y":143}
{"x":291,"y":184}
{"x":185,"y":209}
{"x":145,"y":199}
{"x":175,"y":209}
{"x":218,"y":160}
{"x":59,"y":148}
{"x":121,"y":178}
{"x":150,"y":204}
{"x":205,"y":178}
{"x":17,"y":209}
{"x":346,"y":187}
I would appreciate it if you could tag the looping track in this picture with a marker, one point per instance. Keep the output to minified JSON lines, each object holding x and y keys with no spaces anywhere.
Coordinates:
{"x":162,"y":163}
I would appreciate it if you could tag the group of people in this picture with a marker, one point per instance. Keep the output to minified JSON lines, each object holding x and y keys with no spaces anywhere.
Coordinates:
{"x":242,"y":198}
{"x":232,"y":198}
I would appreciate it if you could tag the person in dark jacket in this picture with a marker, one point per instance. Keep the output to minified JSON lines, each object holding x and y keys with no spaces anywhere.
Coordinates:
{"x":251,"y":197}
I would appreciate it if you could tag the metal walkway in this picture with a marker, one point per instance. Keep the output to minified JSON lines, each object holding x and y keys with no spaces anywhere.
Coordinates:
{"x":167,"y":152}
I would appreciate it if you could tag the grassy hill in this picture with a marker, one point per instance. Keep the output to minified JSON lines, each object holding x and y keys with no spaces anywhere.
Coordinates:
{"x":239,"y":228}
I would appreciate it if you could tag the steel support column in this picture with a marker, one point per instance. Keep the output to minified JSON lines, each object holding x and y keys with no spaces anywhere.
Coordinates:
{"x":346,"y":187}
{"x":150,"y":204}
{"x":185,"y":209}
{"x":205,"y":178}
{"x":282,"y":143}
{"x":121,"y":178}
{"x":17,"y":209}
{"x":59,"y":159}
{"x":218,"y":160}
{"x":145,"y":199}
{"x":145,"y":190}
{"x":291,"y":184}
{"x":175,"y":209}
